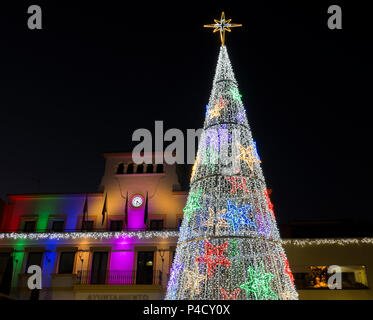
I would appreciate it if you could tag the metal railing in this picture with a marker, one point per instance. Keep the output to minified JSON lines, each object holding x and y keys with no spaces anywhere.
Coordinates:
{"x":120,"y":277}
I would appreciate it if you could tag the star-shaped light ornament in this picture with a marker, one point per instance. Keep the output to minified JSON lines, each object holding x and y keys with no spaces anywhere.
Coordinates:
{"x":213,"y":256}
{"x":238,"y":183}
{"x":216,"y":110}
{"x":193,"y":280}
{"x":236,"y":95}
{"x":238,"y":216}
{"x":259,"y":284}
{"x":247,"y":155}
{"x":193,"y":203}
{"x":222,"y":25}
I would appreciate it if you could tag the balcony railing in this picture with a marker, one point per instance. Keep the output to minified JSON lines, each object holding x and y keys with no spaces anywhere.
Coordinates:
{"x":121,"y":277}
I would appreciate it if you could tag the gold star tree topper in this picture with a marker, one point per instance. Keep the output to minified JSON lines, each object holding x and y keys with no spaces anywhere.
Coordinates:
{"x":222,"y":25}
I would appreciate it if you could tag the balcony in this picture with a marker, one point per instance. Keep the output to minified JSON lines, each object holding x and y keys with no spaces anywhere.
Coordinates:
{"x":120,"y":277}
{"x":120,"y":285}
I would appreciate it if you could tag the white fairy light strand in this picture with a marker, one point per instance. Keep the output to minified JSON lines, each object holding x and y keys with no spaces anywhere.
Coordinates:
{"x":90,"y":235}
{"x":333,"y":241}
{"x":169,"y":234}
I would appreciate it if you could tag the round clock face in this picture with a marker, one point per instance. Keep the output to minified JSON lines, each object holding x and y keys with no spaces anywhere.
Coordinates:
{"x":137,"y":201}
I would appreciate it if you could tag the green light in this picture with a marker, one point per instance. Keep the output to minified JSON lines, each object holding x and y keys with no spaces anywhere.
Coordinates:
{"x":193,"y":203}
{"x":259,"y":284}
{"x":236,"y":95}
{"x":234,"y":247}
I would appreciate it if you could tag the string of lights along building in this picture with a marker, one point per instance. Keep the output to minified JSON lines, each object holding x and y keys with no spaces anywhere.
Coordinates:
{"x":159,"y":231}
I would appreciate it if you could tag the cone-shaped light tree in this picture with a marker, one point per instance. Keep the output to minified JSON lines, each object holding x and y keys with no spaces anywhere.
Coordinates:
{"x":229,"y":245}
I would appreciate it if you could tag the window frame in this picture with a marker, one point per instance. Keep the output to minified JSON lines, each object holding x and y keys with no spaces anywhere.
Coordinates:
{"x":25,"y":222}
{"x":61,"y":254}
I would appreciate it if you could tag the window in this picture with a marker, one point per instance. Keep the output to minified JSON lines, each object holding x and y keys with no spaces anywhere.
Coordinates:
{"x":130,"y":168}
{"x":149,"y":168}
{"x":87,"y":225}
{"x":316,"y":277}
{"x":29,"y":226}
{"x":140,"y":168}
{"x":34,"y":258}
{"x":57,"y":226}
{"x":4,"y":260}
{"x":156,"y":224}
{"x":159,"y":168}
{"x":120,"y":169}
{"x":116,"y":225}
{"x":66,"y":262}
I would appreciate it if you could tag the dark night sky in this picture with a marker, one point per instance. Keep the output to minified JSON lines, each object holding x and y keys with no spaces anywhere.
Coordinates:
{"x":97,"y":72}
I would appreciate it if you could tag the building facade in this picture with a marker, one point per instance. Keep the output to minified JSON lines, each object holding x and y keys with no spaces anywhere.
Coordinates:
{"x":119,"y":243}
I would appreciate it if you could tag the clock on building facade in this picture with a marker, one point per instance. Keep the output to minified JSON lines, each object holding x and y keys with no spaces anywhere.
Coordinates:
{"x":137,"y":201}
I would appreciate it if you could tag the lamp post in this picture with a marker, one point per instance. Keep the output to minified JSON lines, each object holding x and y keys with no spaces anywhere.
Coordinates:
{"x":161,"y":253}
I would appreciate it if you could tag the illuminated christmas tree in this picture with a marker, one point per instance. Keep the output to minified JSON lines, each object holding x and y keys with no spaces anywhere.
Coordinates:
{"x":229,"y":245}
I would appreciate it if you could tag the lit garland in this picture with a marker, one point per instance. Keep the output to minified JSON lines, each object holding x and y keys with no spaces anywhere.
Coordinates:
{"x":168,"y":234}
{"x":89,"y":235}
{"x":322,"y":242}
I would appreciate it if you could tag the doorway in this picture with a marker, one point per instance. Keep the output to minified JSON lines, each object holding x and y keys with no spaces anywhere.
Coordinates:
{"x":99,"y":267}
{"x":144,"y":274}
